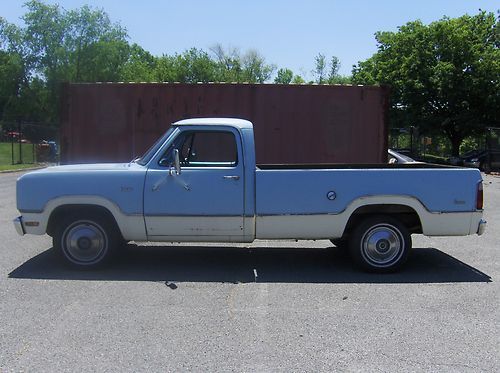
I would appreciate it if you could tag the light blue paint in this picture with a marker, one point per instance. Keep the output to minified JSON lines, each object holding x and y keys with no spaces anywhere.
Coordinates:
{"x":36,"y":189}
{"x":305,"y":191}
{"x":153,"y":191}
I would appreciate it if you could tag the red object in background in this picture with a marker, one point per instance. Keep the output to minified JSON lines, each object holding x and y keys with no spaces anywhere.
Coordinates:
{"x":115,"y":122}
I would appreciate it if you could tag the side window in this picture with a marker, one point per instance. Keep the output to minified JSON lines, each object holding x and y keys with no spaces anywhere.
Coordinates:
{"x":205,"y":149}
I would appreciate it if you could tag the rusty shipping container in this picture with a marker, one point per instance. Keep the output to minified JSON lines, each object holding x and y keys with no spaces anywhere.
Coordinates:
{"x":115,"y":122}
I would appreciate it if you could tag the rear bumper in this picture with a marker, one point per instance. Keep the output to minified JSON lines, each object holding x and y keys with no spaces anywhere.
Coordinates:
{"x":18,"y":224}
{"x":481,"y":227}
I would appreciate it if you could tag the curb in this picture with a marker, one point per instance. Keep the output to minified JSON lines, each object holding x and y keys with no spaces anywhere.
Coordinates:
{"x":23,"y":169}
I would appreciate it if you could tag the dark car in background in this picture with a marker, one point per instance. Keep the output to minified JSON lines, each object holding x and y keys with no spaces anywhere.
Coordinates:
{"x":485,"y":160}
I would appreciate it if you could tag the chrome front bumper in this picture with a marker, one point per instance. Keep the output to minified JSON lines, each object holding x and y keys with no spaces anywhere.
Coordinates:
{"x":481,"y":227}
{"x":18,"y":224}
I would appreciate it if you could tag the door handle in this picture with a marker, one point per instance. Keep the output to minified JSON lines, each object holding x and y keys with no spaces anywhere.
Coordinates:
{"x":231,"y":177}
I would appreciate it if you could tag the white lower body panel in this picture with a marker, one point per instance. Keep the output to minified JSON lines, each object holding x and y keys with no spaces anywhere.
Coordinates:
{"x":194,"y":227}
{"x":327,"y":226}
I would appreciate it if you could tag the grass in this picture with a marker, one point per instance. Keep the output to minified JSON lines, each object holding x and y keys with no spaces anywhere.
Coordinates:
{"x":19,"y":166}
{"x":6,"y":156}
{"x":6,"y":153}
{"x":429,"y":158}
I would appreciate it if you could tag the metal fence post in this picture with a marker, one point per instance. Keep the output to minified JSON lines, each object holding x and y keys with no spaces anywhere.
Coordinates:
{"x":20,"y":142}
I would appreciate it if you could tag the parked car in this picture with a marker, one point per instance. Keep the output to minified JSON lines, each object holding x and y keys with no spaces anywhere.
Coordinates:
{"x":200,"y":182}
{"x":485,"y":160}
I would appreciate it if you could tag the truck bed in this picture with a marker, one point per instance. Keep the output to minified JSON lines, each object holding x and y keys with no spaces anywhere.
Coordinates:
{"x":301,"y":190}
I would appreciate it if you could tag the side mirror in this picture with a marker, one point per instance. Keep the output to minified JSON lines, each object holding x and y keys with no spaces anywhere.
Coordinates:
{"x":177,"y":162}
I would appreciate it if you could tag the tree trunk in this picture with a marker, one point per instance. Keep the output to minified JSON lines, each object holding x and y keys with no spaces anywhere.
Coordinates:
{"x":456,"y":141}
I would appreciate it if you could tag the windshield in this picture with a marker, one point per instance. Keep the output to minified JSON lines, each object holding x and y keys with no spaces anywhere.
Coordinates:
{"x":152,"y":150}
{"x":407,"y":159}
{"x":401,"y":157}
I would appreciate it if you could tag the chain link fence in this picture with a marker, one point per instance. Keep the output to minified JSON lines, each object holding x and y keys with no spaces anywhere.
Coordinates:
{"x":28,"y":143}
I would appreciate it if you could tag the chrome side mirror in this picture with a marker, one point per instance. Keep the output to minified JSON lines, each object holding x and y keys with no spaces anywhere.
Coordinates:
{"x":177,"y":163}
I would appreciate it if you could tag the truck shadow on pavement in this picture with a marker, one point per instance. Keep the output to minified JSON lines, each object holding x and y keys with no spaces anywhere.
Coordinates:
{"x":172,"y":264}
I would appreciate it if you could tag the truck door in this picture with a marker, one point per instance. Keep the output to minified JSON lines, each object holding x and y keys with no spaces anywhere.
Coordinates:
{"x":203,"y":202}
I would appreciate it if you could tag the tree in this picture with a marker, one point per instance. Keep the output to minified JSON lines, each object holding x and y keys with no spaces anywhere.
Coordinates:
{"x":233,"y":67}
{"x":140,"y":66}
{"x":195,"y":65}
{"x":96,"y":48}
{"x":11,"y":79}
{"x":297,"y":79}
{"x":320,"y":68}
{"x":334,"y":68}
{"x":444,"y":76}
{"x":254,"y":67}
{"x":57,"y":46}
{"x":284,"y":76}
{"x":228,"y":61}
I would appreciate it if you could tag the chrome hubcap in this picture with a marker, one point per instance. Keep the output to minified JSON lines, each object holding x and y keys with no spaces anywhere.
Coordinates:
{"x":382,"y":245}
{"x":84,"y":241}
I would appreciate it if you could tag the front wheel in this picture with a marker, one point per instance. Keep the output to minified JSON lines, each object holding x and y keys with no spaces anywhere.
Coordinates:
{"x":86,"y":242}
{"x":380,"y":244}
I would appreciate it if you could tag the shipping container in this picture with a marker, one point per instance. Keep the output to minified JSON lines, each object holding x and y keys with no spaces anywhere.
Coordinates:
{"x":116,"y":122}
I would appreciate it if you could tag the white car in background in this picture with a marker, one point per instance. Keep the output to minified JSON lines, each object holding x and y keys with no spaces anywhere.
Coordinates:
{"x":395,"y":157}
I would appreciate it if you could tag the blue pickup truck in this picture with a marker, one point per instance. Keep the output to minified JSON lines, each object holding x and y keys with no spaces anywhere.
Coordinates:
{"x":200,"y":182}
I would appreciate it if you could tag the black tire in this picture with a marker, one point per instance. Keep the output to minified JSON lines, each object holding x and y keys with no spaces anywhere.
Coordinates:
{"x":86,"y":241}
{"x":485,"y":167}
{"x":380,"y":244}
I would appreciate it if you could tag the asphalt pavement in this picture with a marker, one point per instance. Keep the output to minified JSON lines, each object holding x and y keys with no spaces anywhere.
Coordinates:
{"x":266,"y":307}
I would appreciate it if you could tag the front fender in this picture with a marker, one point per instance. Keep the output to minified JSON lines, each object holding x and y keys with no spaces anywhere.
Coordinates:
{"x":131,"y":225}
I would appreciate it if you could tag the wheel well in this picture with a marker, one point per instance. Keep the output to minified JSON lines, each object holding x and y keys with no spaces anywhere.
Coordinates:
{"x":63,"y":211}
{"x":405,"y":214}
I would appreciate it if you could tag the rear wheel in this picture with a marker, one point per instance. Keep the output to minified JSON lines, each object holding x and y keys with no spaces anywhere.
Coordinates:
{"x":86,"y":242}
{"x":380,"y":244}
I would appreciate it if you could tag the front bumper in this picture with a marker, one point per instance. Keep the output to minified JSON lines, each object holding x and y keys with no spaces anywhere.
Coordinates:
{"x":481,"y":227}
{"x":18,"y":224}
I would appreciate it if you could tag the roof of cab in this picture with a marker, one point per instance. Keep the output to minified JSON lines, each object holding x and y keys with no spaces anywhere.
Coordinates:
{"x":233,"y":122}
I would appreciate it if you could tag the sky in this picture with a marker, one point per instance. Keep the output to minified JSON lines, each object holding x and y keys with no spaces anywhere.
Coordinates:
{"x":288,"y":33}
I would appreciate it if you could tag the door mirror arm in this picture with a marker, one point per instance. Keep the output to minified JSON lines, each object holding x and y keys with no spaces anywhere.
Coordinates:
{"x":176,"y":167}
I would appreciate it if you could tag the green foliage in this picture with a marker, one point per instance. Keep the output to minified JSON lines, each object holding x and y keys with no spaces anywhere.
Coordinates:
{"x":320,"y":67}
{"x":231,"y":66}
{"x":11,"y":76}
{"x":444,"y":76}
{"x":192,"y":66}
{"x":328,"y":73}
{"x":56,"y":45}
{"x":297,"y":79}
{"x":471,"y":143}
{"x":284,"y":76}
{"x":254,"y":68}
{"x":140,"y":66}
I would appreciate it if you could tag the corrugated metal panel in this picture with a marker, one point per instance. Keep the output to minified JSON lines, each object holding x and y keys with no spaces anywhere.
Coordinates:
{"x":113,"y":122}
